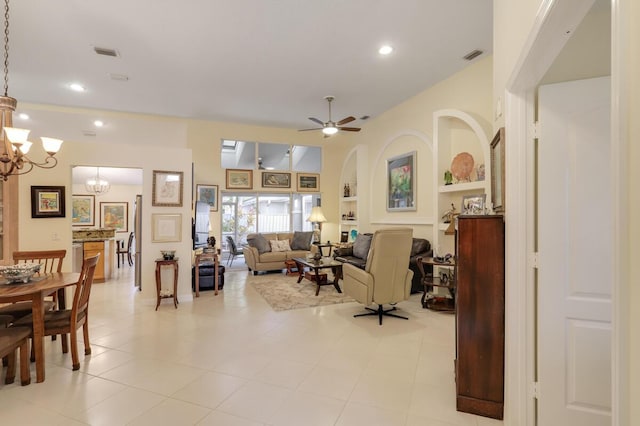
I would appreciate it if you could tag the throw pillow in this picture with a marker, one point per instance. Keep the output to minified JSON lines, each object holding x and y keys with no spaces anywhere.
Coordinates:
{"x":280,"y":245}
{"x":259,"y":242}
{"x":361,"y":245}
{"x":301,"y":240}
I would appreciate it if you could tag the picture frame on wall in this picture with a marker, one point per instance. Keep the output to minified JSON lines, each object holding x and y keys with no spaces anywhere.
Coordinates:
{"x":208,"y":194}
{"x":167,"y":188}
{"x":498,"y":171}
{"x":114,"y":215}
{"x":276,"y":180}
{"x":83,"y":210}
{"x":401,"y":182}
{"x":308,"y":182}
{"x":473,"y":204}
{"x":47,"y":201}
{"x":239,"y":179}
{"x":166,"y":228}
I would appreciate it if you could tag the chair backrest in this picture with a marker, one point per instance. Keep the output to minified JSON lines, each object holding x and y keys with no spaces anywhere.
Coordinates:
{"x":83,"y":287}
{"x":388,"y":262}
{"x":130,"y":242}
{"x":232,"y":244}
{"x":51,"y":260}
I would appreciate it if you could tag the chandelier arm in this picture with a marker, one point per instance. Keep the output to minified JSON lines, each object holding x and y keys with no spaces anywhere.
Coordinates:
{"x":43,"y":165}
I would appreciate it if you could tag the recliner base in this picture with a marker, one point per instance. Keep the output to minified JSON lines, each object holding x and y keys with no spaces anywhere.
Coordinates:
{"x":380,"y":312}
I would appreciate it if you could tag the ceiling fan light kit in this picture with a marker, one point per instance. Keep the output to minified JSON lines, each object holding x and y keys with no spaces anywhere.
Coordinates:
{"x":330,"y":127}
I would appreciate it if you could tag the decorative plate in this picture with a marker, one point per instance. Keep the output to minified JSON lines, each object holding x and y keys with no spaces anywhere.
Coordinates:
{"x":462,"y":166}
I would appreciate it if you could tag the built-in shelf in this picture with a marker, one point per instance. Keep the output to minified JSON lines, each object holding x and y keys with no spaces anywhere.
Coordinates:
{"x":354,"y":198}
{"x":349,"y":222}
{"x":466,"y":186}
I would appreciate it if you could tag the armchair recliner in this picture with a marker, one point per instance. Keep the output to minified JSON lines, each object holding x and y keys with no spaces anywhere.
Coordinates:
{"x":386,"y":278}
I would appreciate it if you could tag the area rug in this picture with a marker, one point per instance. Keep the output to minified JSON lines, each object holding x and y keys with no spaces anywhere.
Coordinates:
{"x":283,"y":293}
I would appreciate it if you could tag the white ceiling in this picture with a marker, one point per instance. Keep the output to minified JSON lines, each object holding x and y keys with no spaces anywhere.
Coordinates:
{"x":266,"y":62}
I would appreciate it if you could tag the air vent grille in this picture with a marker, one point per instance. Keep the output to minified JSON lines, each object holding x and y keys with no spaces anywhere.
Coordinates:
{"x":105,"y":51}
{"x":88,"y":133}
{"x":473,"y":54}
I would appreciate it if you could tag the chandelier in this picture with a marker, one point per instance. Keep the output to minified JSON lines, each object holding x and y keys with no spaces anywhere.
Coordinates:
{"x":97,"y":185}
{"x":14,"y":145}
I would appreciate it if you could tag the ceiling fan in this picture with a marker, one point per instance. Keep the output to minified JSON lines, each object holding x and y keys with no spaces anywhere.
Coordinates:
{"x":331,"y":127}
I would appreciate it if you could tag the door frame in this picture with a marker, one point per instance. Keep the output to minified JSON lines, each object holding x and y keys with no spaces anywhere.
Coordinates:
{"x":545,"y":41}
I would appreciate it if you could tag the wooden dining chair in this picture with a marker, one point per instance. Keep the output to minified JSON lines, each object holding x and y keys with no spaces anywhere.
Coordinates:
{"x":12,"y":339}
{"x":125,"y":250}
{"x":68,"y":321}
{"x":51,"y":261}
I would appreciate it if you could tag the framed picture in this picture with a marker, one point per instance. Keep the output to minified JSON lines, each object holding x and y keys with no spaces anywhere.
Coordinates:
{"x":114,"y":215}
{"x":308,"y":182}
{"x":209,"y":195}
{"x":167,"y":189}
{"x":473,"y":204}
{"x":239,"y":179}
{"x":166,"y":228}
{"x":498,"y":171}
{"x":276,"y":180}
{"x":401,"y":182}
{"x":83,"y":210}
{"x":47,"y":201}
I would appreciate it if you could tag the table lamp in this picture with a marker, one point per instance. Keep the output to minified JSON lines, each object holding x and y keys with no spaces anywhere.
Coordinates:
{"x":316,"y":217}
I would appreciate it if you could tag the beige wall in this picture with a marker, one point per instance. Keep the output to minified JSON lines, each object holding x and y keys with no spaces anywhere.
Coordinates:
{"x":512,"y":23}
{"x":116,"y":194}
{"x":52,"y":233}
{"x":405,"y":128}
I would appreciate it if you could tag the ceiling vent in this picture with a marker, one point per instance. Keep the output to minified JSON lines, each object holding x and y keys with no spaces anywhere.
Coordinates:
{"x":473,"y":54}
{"x":118,"y":77}
{"x":105,"y":52}
{"x":88,"y":133}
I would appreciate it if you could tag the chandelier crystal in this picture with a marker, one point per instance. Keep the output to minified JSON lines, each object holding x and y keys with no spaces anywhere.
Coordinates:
{"x":14,"y":145}
{"x":97,"y":185}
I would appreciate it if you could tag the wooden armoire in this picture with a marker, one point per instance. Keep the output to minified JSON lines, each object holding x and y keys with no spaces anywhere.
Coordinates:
{"x":480,"y":313}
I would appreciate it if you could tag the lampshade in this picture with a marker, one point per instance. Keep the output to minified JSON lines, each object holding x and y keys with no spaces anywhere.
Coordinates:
{"x":316,"y":215}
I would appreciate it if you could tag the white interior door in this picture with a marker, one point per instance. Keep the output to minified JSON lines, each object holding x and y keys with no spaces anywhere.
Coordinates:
{"x":574,"y":245}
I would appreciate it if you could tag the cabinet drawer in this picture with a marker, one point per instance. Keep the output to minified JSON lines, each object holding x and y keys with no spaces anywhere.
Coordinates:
{"x":94,"y":245}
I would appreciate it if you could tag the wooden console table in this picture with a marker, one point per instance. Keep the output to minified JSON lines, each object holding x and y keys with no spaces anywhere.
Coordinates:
{"x":216,"y":261}
{"x":174,"y":264}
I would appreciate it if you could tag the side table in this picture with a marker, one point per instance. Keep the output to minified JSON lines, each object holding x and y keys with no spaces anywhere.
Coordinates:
{"x":174,"y":264}
{"x":216,"y":279}
{"x":446,"y":279}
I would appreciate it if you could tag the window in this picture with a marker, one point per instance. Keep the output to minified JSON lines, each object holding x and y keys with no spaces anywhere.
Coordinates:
{"x":247,"y":213}
{"x":270,"y":156}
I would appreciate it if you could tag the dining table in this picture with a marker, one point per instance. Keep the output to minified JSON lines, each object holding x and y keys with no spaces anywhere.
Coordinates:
{"x":35,"y":290}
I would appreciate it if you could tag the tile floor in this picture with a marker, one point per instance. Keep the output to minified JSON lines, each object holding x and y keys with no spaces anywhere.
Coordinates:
{"x":231,"y":360}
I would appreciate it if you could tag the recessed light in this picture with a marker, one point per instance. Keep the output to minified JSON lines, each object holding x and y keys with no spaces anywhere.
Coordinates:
{"x":98,"y":123}
{"x":385,"y":50}
{"x":76,"y":87}
{"x":23,"y":116}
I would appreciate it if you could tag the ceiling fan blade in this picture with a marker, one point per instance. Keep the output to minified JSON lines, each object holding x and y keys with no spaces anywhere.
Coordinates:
{"x":315,"y":120}
{"x":345,"y":120}
{"x":306,"y":130}
{"x":349,"y":129}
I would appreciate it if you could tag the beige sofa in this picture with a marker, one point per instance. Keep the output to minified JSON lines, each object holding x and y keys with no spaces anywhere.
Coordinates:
{"x":271,"y":260}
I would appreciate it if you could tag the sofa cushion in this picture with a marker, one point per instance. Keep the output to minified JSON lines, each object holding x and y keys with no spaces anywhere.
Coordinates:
{"x":274,"y":256}
{"x":361,"y":245}
{"x":259,"y":242}
{"x":419,"y":245}
{"x":280,"y":245}
{"x":301,"y":240}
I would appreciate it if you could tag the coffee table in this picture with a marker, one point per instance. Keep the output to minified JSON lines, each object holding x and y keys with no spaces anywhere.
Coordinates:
{"x":315,"y":266}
